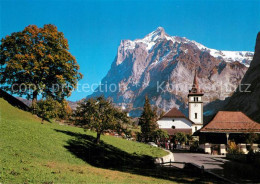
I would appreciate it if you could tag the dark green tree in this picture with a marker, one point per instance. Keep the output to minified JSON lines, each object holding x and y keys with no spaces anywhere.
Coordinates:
{"x":148,"y":121}
{"x":99,"y":114}
{"x":37,"y":61}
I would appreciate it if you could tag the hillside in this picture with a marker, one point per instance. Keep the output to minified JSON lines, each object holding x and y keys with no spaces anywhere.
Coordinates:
{"x":45,"y":153}
{"x":162,"y":66}
{"x":14,"y":101}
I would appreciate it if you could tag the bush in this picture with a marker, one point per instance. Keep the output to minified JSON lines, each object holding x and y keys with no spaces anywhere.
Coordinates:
{"x":194,"y":146}
{"x":49,"y":108}
{"x":159,"y":134}
{"x":233,"y":148}
{"x":65,"y":110}
{"x":182,"y":138}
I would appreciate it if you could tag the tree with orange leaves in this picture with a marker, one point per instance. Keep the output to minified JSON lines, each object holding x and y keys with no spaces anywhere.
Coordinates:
{"x":37,"y":61}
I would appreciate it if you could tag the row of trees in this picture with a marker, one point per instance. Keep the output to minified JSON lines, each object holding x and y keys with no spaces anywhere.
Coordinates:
{"x":99,"y":114}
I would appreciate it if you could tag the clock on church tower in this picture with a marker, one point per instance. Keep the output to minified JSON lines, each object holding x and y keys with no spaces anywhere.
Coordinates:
{"x":196,"y":104}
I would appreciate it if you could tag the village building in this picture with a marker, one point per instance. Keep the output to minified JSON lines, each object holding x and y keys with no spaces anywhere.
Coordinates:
{"x":175,"y":121}
{"x":228,"y":125}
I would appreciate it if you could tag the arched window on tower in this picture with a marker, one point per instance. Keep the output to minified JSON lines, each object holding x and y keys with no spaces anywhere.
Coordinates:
{"x":196,"y":115}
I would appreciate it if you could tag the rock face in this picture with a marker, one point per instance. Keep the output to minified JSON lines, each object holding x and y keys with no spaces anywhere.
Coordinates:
{"x":163,"y":66}
{"x":247,"y":96}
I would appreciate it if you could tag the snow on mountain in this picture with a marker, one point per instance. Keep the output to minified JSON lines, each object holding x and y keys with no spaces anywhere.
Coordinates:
{"x":152,"y":38}
{"x":171,"y":60}
{"x":228,"y":56}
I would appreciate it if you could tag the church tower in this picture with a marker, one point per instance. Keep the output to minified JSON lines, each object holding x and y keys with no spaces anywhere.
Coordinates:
{"x":196,"y":104}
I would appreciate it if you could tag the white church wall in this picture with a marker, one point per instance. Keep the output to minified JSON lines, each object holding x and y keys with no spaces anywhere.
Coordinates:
{"x":196,"y":108}
{"x":178,"y":123}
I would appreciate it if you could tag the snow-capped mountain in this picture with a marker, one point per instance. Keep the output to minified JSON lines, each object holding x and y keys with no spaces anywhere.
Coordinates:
{"x":162,"y":66}
{"x":151,"y":39}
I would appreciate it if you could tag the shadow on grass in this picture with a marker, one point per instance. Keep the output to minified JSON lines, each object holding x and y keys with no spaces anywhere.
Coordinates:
{"x":104,"y":155}
{"x":109,"y":157}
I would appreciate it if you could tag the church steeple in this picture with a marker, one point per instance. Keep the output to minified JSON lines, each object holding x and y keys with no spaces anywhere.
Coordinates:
{"x":195,"y":86}
{"x":196,"y":103}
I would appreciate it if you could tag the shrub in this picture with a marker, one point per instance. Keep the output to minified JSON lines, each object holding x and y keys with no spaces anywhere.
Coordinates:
{"x":182,"y":138}
{"x":194,"y":146}
{"x":50,"y":108}
{"x":65,"y":110}
{"x":233,"y":148}
{"x":160,"y":134}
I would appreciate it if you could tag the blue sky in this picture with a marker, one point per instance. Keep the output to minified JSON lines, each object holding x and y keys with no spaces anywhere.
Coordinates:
{"x":94,"y":28}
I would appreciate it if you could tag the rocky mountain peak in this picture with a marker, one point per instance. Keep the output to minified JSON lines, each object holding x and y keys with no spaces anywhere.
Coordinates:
{"x":153,"y":36}
{"x":161,"y":66}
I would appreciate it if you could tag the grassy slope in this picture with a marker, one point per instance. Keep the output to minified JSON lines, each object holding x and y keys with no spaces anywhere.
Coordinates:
{"x":31,"y":152}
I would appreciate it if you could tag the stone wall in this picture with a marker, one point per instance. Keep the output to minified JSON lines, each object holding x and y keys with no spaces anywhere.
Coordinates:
{"x":167,"y":158}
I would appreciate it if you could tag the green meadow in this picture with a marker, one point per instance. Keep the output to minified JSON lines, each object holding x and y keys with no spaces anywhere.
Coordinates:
{"x":36,"y":152}
{"x":31,"y":152}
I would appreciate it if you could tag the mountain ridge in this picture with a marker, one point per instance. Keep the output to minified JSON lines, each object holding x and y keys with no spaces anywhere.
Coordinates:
{"x":160,"y":33}
{"x":170,"y":61}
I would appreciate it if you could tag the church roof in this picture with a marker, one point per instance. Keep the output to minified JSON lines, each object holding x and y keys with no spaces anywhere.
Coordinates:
{"x":231,"y":122}
{"x":195,"y":90}
{"x":175,"y":113}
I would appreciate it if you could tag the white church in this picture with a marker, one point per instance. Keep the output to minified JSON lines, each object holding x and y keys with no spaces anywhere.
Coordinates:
{"x":175,"y":121}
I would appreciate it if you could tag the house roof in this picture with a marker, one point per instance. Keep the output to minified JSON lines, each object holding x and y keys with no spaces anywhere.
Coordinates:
{"x":172,"y":131}
{"x":231,"y":122}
